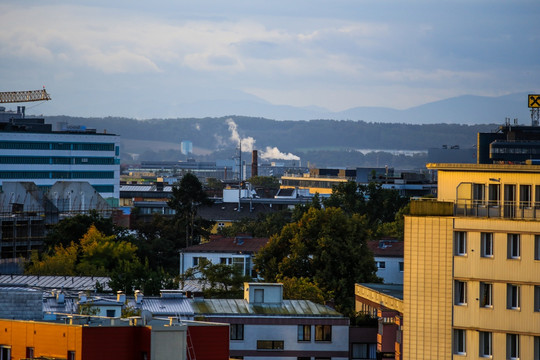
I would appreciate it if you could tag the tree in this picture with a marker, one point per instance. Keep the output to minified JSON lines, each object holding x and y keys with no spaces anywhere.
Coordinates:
{"x":186,"y":198}
{"x":72,"y":229}
{"x":326,"y":246}
{"x":303,"y":289}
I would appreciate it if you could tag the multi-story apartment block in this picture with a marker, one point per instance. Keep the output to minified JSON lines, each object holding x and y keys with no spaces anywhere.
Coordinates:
{"x":31,"y":151}
{"x":472,"y":265}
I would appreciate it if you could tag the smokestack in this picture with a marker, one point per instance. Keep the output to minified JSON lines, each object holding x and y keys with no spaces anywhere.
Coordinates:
{"x":254,"y":164}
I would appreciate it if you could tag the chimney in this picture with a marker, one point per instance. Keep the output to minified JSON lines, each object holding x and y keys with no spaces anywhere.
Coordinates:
{"x":138,"y":297}
{"x":254,"y":164}
{"x":120,"y":297}
{"x":60,"y":299}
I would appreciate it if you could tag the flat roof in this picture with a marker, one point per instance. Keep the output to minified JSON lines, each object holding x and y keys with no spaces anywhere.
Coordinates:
{"x":484,"y":167}
{"x":394,"y":290}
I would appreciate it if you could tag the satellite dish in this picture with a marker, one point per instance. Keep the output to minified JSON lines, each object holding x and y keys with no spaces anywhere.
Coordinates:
{"x":146,"y":316}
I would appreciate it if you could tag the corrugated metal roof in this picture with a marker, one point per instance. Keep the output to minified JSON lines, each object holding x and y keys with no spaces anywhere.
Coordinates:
{"x":68,"y":307}
{"x":242,"y":307}
{"x":165,"y":306}
{"x":73,"y":283}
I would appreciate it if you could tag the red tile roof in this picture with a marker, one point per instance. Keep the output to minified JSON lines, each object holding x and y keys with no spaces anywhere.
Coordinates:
{"x":228,"y":245}
{"x":385,"y":247}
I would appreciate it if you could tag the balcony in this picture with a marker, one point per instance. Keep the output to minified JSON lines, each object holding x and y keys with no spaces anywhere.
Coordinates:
{"x":502,"y":209}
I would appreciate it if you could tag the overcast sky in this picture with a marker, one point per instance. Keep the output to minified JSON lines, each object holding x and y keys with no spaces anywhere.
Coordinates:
{"x":125,"y":57}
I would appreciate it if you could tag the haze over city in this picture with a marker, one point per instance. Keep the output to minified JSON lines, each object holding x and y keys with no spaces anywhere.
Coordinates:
{"x":162,"y":59}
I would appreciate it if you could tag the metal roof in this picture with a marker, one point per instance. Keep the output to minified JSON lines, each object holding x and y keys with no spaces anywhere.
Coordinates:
{"x":164,"y":306}
{"x":239,"y":307}
{"x":71,"y":283}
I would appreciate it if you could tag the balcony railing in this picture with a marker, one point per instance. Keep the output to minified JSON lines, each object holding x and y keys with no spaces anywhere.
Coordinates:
{"x":501,"y":209}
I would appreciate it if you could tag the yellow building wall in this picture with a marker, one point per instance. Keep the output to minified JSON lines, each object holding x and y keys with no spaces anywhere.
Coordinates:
{"x":450,"y":180}
{"x":427,"y":291}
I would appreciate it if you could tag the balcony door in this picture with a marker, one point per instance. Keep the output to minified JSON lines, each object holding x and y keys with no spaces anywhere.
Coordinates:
{"x":509,"y":201}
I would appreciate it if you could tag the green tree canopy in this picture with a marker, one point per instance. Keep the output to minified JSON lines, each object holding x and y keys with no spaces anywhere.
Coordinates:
{"x":326,"y":246}
{"x":186,"y":199}
{"x":266,"y":182}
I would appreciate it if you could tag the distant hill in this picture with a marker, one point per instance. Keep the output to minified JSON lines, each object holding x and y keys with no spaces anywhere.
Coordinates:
{"x":465,"y":109}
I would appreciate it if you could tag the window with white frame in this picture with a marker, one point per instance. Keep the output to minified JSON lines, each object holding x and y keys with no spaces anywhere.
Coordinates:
{"x":486,"y":294}
{"x":380,"y":264}
{"x":514,"y":246}
{"x":197,"y":260}
{"x":485,"y":345}
{"x":460,"y":342}
{"x":401,"y":266}
{"x":512,"y":346}
{"x":460,"y":292}
{"x":460,"y":243}
{"x":512,"y":296}
{"x":486,"y":244}
{"x":225,"y":260}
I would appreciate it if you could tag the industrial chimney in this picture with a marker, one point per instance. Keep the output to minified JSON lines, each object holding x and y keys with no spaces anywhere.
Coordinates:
{"x":254,"y":164}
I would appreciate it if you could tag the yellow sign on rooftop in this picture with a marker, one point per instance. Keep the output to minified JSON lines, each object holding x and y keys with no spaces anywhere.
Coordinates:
{"x":534,"y":101}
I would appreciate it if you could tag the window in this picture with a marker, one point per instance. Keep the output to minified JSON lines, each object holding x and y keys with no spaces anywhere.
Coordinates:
{"x":225,"y":261}
{"x":536,"y":247}
{"x":323,"y":333}
{"x":380,"y":264}
{"x":512,"y":346}
{"x":486,"y":294}
{"x":71,"y":355}
{"x":269,"y":344}
{"x":537,"y":196}
{"x":478,"y":194}
{"x":537,"y":298}
{"x":198,"y":260}
{"x":29,"y":352}
{"x":237,"y":331}
{"x":304,"y":332}
{"x":525,"y":196}
{"x":5,"y":353}
{"x":494,"y":191}
{"x":111,"y":313}
{"x":513,"y":246}
{"x":401,"y":266}
{"x":486,"y":240}
{"x":485,"y":344}
{"x":459,"y":342}
{"x":460,"y":292}
{"x":512,"y":297}
{"x":363,"y":351}
{"x":537,"y":348}
{"x":460,"y":241}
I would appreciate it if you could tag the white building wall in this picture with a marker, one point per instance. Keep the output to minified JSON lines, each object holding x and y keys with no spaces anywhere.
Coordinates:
{"x":68,"y":138}
{"x":391,"y":273}
{"x":186,"y":260}
{"x":289,"y":335}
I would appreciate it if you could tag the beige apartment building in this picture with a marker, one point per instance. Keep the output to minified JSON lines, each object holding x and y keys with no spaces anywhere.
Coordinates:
{"x":472,"y":265}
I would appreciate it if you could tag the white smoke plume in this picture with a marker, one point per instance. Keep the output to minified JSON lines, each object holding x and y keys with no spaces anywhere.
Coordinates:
{"x":248,"y":143}
{"x":274,"y":153}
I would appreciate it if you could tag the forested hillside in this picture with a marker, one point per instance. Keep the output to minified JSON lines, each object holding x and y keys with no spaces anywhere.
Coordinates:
{"x":324,"y":142}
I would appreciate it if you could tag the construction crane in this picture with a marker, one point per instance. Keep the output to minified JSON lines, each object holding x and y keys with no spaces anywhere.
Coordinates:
{"x":24,"y":96}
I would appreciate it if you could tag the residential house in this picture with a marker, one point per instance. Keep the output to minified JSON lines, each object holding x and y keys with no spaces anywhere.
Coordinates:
{"x":388,"y":254}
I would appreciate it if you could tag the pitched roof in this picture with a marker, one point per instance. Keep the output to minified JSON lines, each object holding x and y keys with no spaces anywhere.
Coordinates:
{"x":386,"y":247}
{"x":73,"y":283}
{"x":229,"y":245}
{"x":229,"y":211}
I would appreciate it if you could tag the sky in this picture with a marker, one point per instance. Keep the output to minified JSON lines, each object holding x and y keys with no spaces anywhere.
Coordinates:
{"x":148,"y":59}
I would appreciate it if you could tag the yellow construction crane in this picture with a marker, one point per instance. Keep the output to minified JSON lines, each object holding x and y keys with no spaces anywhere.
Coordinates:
{"x":23,"y":96}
